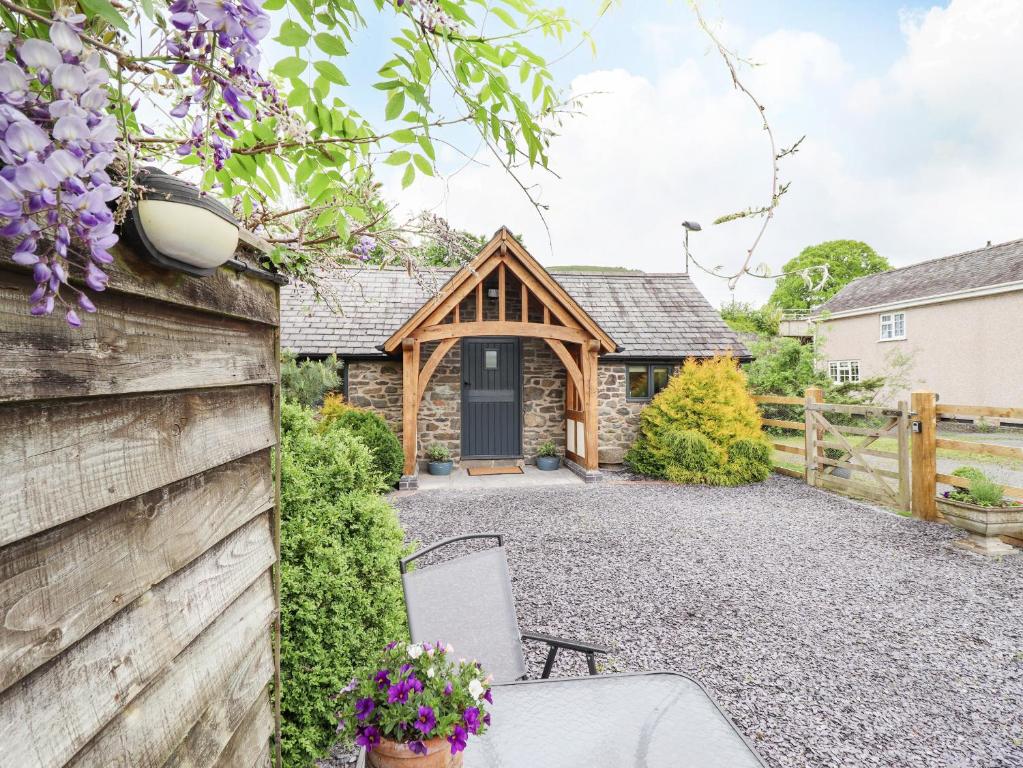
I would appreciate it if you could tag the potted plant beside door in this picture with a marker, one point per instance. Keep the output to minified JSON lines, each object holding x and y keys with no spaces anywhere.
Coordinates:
{"x":440,"y":459}
{"x":547,"y":457}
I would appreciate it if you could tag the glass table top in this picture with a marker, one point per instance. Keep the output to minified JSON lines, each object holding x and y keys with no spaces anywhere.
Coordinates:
{"x":645,"y":720}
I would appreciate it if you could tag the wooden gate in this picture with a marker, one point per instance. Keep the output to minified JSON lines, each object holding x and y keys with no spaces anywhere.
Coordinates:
{"x":838,"y":456}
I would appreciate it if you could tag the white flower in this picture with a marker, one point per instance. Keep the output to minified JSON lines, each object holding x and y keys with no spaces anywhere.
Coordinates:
{"x":431,"y":672}
{"x":475,"y":688}
{"x":449,"y":648}
{"x":415,"y":651}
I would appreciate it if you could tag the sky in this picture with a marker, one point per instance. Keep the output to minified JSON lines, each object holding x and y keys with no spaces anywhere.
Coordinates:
{"x":912,"y":113}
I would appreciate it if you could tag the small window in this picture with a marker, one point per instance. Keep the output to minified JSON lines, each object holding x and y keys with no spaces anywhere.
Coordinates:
{"x":645,"y":381}
{"x":490,"y":359}
{"x":893,"y":326}
{"x":661,"y":374}
{"x":844,"y":371}
{"x":639,"y":382}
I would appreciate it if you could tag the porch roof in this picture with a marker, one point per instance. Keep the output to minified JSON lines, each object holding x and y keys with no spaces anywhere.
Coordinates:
{"x":649,"y":315}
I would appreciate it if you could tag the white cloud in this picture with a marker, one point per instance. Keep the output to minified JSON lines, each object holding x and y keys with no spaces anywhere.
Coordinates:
{"x":887,"y":159}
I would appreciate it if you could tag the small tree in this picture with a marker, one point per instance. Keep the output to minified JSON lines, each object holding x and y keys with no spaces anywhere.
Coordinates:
{"x":820,"y":271}
{"x":309,"y":381}
{"x":745,"y":318}
{"x":703,"y":428}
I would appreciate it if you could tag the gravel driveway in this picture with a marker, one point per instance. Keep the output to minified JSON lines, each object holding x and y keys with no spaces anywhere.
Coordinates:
{"x":834,"y":634}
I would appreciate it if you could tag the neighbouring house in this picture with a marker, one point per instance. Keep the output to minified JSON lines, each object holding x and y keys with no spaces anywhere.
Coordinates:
{"x":494,"y":359}
{"x":956,"y":322}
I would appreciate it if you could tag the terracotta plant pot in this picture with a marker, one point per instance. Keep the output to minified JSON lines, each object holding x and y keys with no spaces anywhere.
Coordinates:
{"x":391,"y":754}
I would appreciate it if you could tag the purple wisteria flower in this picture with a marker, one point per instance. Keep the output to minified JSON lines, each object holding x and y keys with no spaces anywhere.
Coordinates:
{"x":363,"y":709}
{"x":457,"y":739}
{"x":56,"y":143}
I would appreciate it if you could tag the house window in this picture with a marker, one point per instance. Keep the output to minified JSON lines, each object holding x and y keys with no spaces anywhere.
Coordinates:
{"x":844,"y":371}
{"x":645,"y":381}
{"x":490,"y":359}
{"x":893,"y":326}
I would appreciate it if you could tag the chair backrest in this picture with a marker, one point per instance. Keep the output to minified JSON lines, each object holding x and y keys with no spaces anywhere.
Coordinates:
{"x":467,"y":601}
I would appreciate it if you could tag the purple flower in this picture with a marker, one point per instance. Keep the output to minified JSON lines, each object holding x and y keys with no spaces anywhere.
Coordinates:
{"x":39,"y":53}
{"x":367,"y":736}
{"x":426,"y":720}
{"x":457,"y":739}
{"x":486,"y":719}
{"x":24,"y":137}
{"x":417,"y":748}
{"x":487,"y":697}
{"x":382,"y":678}
{"x":363,"y":708}
{"x":448,"y":689}
{"x":65,"y":38}
{"x":398,"y":693}
{"x":352,"y":685}
{"x":71,"y":78}
{"x":72,"y":319}
{"x":471,"y":718}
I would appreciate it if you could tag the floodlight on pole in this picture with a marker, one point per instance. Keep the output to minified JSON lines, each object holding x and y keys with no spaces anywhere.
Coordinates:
{"x":689,"y":226}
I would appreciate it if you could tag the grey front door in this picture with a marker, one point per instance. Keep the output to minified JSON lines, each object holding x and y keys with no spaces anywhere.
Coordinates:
{"x":491,"y":410}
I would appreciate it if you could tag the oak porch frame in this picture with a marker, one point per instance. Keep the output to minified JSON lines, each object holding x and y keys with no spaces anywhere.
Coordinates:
{"x":574,"y":337}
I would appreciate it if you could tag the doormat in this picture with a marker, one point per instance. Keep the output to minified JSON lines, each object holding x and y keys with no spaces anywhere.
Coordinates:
{"x":476,"y":471}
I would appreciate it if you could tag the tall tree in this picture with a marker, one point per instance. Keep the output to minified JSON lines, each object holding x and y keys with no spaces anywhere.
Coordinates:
{"x":821,"y":270}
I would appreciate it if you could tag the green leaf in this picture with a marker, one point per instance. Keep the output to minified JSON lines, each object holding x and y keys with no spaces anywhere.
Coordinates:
{"x":341,"y":226}
{"x":422,"y":164}
{"x":427,"y":145}
{"x":332,"y":45}
{"x":105,"y":11}
{"x":504,"y":16}
{"x":409,"y":177}
{"x":291,"y":66}
{"x":273,"y":5}
{"x":292,"y":35}
{"x":403,"y":136}
{"x":299,"y":95}
{"x":398,"y":158}
{"x":395,"y":104}
{"x":330,"y":72}
{"x":319,"y":183}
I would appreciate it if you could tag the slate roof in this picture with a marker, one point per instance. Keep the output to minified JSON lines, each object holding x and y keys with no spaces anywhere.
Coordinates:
{"x":971,"y":270}
{"x":649,"y":315}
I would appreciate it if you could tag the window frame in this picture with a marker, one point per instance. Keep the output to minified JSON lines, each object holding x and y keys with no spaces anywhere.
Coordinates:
{"x":892,"y":323}
{"x":650,"y":366}
{"x":836,"y":366}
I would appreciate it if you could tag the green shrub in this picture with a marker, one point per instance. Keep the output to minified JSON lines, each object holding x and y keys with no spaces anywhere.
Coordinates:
{"x":371,"y":428}
{"x":341,"y":597}
{"x":438,"y":452}
{"x":702,"y":428}
{"x":547,"y":448}
{"x":307,"y":382}
{"x":970,"y":473}
{"x":986,"y":493}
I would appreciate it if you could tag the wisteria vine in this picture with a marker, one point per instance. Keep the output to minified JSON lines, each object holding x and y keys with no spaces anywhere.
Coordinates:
{"x":58,"y":143}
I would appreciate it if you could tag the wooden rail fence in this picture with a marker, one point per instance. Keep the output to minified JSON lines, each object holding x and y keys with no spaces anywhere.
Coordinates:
{"x":837,"y":456}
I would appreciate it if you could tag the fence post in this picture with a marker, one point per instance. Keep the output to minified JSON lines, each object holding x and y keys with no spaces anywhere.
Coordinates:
{"x":812,"y":435}
{"x":924,"y":461}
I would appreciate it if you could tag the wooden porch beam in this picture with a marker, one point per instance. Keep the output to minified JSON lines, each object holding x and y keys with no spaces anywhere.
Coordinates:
{"x":500,"y":293}
{"x":431,"y":365}
{"x":409,"y":402}
{"x":460,"y":293}
{"x":590,"y":406}
{"x":525,"y":303}
{"x":575,"y":376}
{"x":545,"y":297}
{"x":497,"y":328}
{"x":479,"y":301}
{"x":546,"y":315}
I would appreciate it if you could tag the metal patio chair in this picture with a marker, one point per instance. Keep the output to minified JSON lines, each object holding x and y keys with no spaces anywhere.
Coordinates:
{"x":467,"y":601}
{"x":630,"y":720}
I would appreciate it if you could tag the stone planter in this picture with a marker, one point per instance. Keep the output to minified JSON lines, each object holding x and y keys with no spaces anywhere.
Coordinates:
{"x":440,"y":467}
{"x":984,"y":525}
{"x":391,"y":754}
{"x":548,"y":463}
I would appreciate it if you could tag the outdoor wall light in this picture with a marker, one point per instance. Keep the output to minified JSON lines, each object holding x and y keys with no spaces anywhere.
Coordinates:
{"x":177,"y":227}
{"x":492,"y":293}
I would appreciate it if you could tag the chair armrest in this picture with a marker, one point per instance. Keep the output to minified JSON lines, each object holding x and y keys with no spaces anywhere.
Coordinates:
{"x":569,"y":645}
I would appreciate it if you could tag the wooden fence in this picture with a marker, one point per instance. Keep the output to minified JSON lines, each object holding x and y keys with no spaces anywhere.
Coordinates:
{"x":910,"y":481}
{"x":137,"y":522}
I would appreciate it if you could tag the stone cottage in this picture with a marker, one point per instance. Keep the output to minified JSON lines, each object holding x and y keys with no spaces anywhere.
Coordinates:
{"x":500,"y":356}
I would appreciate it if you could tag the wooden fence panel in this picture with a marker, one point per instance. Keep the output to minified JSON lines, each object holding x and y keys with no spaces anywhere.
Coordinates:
{"x":60,"y":585}
{"x":51,"y":714}
{"x":137,"y":520}
{"x":131,"y":344}
{"x":61,"y":460}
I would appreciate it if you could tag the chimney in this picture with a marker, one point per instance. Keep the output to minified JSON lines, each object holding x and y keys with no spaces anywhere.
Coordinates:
{"x":988,"y":244}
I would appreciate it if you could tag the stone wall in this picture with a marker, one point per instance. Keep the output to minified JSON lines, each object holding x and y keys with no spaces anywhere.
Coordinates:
{"x":618,"y":417}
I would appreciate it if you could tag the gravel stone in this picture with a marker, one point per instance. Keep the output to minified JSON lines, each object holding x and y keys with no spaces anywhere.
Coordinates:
{"x":834,"y":633}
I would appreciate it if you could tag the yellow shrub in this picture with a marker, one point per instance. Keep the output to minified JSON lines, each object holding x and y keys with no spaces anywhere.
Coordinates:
{"x":333,"y":406}
{"x":703,"y":428}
